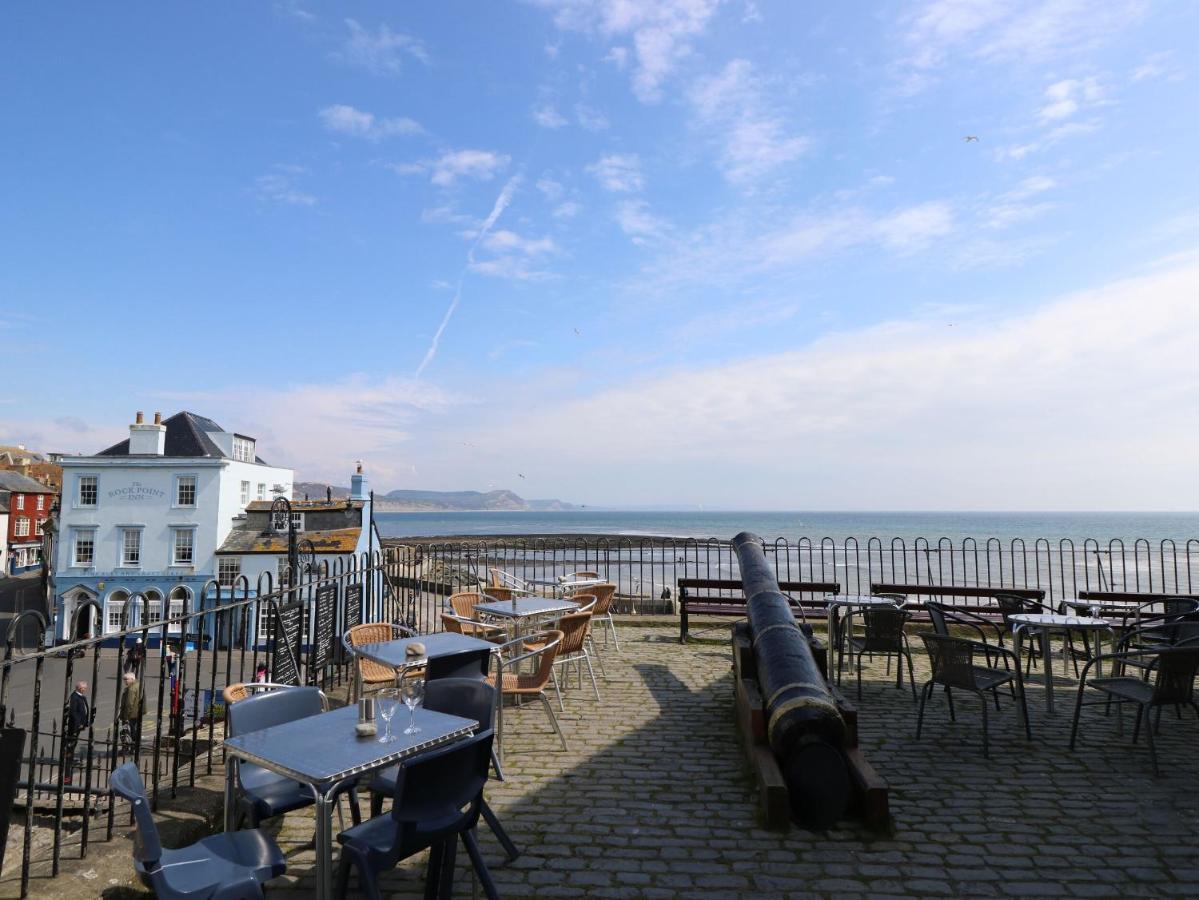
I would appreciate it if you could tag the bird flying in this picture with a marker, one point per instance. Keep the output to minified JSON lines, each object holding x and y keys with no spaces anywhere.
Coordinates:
{"x":970,"y":137}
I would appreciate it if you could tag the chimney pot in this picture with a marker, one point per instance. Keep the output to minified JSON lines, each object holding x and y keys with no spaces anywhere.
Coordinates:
{"x":157,"y":418}
{"x":139,"y":418}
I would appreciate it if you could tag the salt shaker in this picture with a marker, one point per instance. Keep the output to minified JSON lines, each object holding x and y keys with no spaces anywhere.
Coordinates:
{"x":366,"y":717}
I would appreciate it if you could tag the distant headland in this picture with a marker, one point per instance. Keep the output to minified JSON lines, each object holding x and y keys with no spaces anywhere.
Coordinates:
{"x":437,"y":501}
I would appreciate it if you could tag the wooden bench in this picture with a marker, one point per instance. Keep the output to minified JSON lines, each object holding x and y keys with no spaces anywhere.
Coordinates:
{"x":708,"y":604}
{"x":952,"y":590}
{"x":1132,"y":598}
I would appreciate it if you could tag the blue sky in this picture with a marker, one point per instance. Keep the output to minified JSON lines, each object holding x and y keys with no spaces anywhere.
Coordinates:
{"x":730,"y":253}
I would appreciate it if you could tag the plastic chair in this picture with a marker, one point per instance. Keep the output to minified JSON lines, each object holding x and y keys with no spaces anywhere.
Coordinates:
{"x":367,"y":671}
{"x":470,"y":699}
{"x":264,"y":793}
{"x":952,"y":661}
{"x":465,"y":664}
{"x":227,"y":866}
{"x":438,"y":799}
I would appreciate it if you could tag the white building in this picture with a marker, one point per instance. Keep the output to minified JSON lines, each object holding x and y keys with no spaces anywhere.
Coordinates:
{"x":148,"y":514}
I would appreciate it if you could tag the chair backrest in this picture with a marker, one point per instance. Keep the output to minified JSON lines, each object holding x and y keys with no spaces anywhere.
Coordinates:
{"x":463,"y":603}
{"x":127,"y":783}
{"x":234,"y":692}
{"x":374,"y":633}
{"x":432,"y":789}
{"x":451,"y":623}
{"x":466,"y":697}
{"x":936,"y":614}
{"x":243,"y":689}
{"x":952,"y":661}
{"x":583,"y":575}
{"x":884,"y":628}
{"x":466,"y":664}
{"x":501,"y":593}
{"x":587,"y":602}
{"x":545,"y":659}
{"x":1011,"y":605}
{"x":603,"y":593}
{"x":1176,"y":668}
{"x":500,"y":578}
{"x":272,"y":708}
{"x":573,"y":628}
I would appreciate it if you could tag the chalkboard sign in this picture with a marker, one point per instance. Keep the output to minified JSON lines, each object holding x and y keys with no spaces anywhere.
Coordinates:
{"x":353,"y":614}
{"x":326,"y":624}
{"x":289,"y":621}
{"x":12,"y":746}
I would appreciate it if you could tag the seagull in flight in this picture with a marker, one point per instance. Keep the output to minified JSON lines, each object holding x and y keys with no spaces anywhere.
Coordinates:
{"x":579,"y":333}
{"x":519,"y":475}
{"x":971,"y":137}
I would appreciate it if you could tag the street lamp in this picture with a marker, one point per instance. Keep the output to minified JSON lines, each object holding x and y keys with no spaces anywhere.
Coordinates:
{"x":283,"y":505}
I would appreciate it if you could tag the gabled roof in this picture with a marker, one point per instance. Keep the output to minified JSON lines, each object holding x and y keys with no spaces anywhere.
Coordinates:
{"x":252,"y":540}
{"x":185,"y":437}
{"x":23,"y":484}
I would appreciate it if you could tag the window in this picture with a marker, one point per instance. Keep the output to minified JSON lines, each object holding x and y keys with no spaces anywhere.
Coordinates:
{"x":89,"y":490}
{"x":40,"y":528}
{"x":245,"y":493}
{"x":279,"y":521}
{"x":179,"y":596}
{"x":41,"y":502}
{"x":85,"y":547}
{"x":153,"y":608}
{"x":228,"y":568}
{"x":185,"y":490}
{"x":131,"y":547}
{"x":116,"y":612}
{"x":261,"y":491}
{"x":184,"y":549}
{"x":243,"y":449}
{"x":20,"y":501}
{"x":22,"y":527}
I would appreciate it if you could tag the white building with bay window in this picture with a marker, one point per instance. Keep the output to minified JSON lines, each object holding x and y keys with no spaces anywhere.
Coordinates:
{"x":148,"y":514}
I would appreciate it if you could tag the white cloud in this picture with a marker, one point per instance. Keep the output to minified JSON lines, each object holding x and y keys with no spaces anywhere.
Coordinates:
{"x":504,"y":241}
{"x":279,"y":186}
{"x":618,"y":172}
{"x":347,"y":120}
{"x":549,"y":188}
{"x":567,"y":210}
{"x":381,"y":51}
{"x":639,"y":223}
{"x":481,"y":165}
{"x":548,"y":117}
{"x":1158,"y":65}
{"x":662,"y":33}
{"x":1066,"y":97}
{"x":590,"y":118}
{"x":753,"y":136}
{"x":916,"y":227}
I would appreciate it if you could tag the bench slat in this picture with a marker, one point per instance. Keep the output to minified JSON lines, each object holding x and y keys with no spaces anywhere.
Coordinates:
{"x":939,"y":590}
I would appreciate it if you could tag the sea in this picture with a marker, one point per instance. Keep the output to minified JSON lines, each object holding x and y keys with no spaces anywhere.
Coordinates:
{"x":1054,"y":526}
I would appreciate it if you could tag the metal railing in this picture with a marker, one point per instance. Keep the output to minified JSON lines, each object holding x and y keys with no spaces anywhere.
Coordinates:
{"x":293,"y":631}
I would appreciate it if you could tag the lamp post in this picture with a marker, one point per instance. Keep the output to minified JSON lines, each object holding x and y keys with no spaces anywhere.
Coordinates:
{"x":283,"y":505}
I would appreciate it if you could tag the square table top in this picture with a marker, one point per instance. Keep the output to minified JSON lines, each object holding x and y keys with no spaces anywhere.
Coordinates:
{"x":524,"y":607}
{"x":324,"y":749}
{"x":860,"y":600}
{"x":1057,"y":620}
{"x":442,"y":643}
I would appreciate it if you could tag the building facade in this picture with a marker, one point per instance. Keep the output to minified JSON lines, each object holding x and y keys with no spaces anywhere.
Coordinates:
{"x":30,"y":503}
{"x":16,"y":458}
{"x":147,"y":516}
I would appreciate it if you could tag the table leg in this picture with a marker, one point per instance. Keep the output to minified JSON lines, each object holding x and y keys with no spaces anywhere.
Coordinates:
{"x":1046,"y":658}
{"x":230,"y":794}
{"x":324,"y":846}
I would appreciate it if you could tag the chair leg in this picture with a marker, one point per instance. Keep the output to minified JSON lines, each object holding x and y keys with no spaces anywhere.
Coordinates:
{"x":911,"y":676}
{"x":925,"y":692}
{"x":1024,"y":712}
{"x":859,"y":676}
{"x":495,"y":764}
{"x":445,"y":883}
{"x":489,"y":816}
{"x":1152,"y":741}
{"x":343,"y":876}
{"x":612,"y":628}
{"x":1136,"y":726}
{"x":376,"y":804}
{"x":554,"y":681}
{"x":591,"y":672}
{"x":598,"y":658}
{"x":476,"y":858}
{"x":949,"y":696}
{"x":986,"y":743}
{"x":433,"y":868}
{"x":545,"y":701}
{"x":355,"y":810}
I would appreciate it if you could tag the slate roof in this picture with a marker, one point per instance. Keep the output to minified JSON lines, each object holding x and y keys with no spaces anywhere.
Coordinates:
{"x":306,"y":505}
{"x":252,"y":540}
{"x":4,"y":495}
{"x":23,"y":484}
{"x":185,"y":438}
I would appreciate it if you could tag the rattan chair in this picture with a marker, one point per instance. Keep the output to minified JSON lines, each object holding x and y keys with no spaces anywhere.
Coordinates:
{"x":514,"y":683}
{"x":368,"y":672}
{"x":883,"y":633}
{"x":1170,"y":681}
{"x":243,"y":689}
{"x":499,"y":578}
{"x":952,"y":661}
{"x":576,"y":629}
{"x":462,"y":605}
{"x":602,"y":614}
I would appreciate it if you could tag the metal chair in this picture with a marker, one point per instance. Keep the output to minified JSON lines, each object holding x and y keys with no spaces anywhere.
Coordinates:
{"x":438,"y":799}
{"x":262,"y":793}
{"x":1170,"y":681}
{"x":883,"y":633}
{"x":462,"y":604}
{"x":513,"y":683}
{"x":470,"y":699}
{"x":575,"y":629}
{"x":602,"y":614}
{"x":953,"y":667}
{"x":227,"y":866}
{"x":1013,"y":604}
{"x":367,"y":672}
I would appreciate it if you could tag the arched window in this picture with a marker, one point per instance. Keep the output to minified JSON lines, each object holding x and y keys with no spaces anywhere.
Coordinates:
{"x":180,"y":596}
{"x":114,"y":610}
{"x":153,"y":611}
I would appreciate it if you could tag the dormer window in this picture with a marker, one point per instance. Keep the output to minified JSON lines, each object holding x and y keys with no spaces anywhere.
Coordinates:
{"x":243,"y":449}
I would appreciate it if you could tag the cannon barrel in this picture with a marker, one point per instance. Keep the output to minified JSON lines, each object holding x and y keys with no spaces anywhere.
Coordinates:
{"x":804,"y":726}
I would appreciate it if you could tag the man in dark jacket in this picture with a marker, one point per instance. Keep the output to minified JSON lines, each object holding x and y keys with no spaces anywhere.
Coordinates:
{"x":79,"y":716}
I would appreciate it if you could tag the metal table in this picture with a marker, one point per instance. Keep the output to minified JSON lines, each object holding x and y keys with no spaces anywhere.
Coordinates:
{"x":442,"y":643}
{"x":323,"y":753}
{"x":1046,"y":623}
{"x":561,"y":586}
{"x":521,"y":609}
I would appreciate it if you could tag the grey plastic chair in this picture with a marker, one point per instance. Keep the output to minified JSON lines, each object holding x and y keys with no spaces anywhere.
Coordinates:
{"x":227,"y":866}
{"x":264,"y":793}
{"x":465,"y":664}
{"x":469,"y":698}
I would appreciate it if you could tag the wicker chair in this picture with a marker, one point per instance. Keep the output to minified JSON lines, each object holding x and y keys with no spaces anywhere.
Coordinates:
{"x":368,"y":672}
{"x":1172,"y":683}
{"x":462,"y":605}
{"x":575,"y":629}
{"x":602,"y":614}
{"x":514,"y":683}
{"x":243,"y":689}
{"x":502,"y":593}
{"x":953,"y":667}
{"x":499,"y":578}
{"x":883,"y":633}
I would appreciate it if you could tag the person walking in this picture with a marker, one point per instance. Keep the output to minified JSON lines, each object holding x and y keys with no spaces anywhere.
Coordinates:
{"x":134,"y":657}
{"x":79,"y":716}
{"x":130,"y":714}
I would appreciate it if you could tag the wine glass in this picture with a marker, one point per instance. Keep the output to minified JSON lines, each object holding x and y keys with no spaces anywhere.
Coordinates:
{"x":413,"y":691}
{"x":389,"y":699}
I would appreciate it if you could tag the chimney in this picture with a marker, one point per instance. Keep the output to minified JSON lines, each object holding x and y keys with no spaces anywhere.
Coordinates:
{"x":147,"y":440}
{"x":358,"y":489}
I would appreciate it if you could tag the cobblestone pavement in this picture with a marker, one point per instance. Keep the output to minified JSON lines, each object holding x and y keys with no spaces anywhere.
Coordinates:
{"x":653,"y":799}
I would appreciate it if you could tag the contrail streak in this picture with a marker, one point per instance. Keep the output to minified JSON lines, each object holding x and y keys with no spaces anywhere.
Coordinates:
{"x":501,"y":203}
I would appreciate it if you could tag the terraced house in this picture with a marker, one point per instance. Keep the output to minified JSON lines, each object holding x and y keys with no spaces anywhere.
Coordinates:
{"x":28,"y":504}
{"x":148,"y":515}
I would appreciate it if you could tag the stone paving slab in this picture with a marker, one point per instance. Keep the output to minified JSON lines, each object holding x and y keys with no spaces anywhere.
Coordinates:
{"x":653,"y":799}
